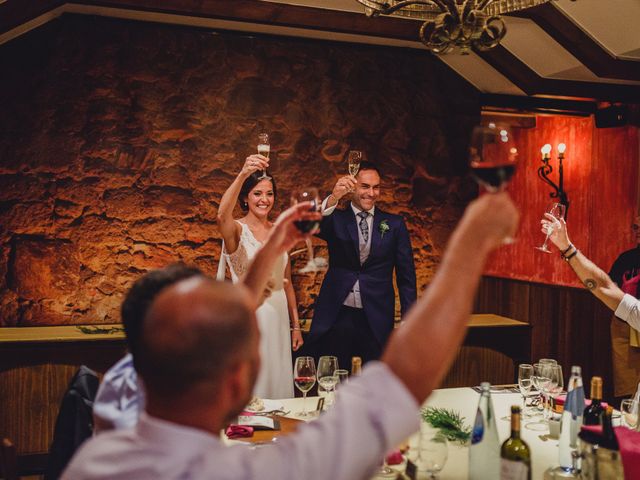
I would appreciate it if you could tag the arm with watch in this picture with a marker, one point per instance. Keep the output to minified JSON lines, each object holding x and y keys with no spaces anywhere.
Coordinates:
{"x":592,"y":277}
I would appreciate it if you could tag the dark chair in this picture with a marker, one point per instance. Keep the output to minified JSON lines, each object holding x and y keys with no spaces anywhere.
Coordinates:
{"x":75,"y":421}
{"x":8,"y":460}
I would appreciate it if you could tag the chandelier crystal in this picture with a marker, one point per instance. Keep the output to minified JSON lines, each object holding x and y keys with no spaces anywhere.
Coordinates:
{"x":454,"y":24}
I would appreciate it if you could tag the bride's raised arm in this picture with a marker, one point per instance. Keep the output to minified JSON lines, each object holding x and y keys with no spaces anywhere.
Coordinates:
{"x":229,"y":229}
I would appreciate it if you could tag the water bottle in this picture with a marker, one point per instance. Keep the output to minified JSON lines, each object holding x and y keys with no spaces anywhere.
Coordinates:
{"x":571,"y":419}
{"x":484,"y":453}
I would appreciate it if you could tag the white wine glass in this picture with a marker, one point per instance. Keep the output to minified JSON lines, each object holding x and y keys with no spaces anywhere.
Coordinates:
{"x":433,"y":452}
{"x":629,"y":411}
{"x":326,"y":373}
{"x":304,"y":378}
{"x":525,"y":382}
{"x":556,"y":385}
{"x":264,"y":149}
{"x":354,"y":157}
{"x":309,"y":194}
{"x":558,"y":211}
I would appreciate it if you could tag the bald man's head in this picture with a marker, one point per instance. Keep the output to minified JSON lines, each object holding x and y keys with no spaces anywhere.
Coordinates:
{"x":193,"y":332}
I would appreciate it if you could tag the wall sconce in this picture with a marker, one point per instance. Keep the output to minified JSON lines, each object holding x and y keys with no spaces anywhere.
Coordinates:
{"x":546,"y":169}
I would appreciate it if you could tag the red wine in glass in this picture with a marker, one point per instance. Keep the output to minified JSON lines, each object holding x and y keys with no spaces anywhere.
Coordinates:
{"x":492,"y":176}
{"x":492,"y":156}
{"x":306,"y":226}
{"x":304,"y":384}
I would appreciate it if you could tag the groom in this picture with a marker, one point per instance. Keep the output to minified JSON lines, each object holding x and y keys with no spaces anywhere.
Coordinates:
{"x":354,"y":312}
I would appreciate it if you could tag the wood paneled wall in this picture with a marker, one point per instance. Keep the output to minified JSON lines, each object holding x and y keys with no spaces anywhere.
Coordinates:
{"x":568,"y":324}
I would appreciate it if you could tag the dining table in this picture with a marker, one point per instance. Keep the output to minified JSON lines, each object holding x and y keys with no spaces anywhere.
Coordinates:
{"x":464,"y":401}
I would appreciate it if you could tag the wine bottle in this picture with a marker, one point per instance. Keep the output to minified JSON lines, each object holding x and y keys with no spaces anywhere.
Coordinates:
{"x":593,"y":413}
{"x":484,"y":452}
{"x":609,"y":435}
{"x":515,"y":456}
{"x":356,"y":366}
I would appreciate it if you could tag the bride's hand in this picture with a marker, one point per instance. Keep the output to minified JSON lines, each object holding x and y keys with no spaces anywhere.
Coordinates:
{"x":253,"y":163}
{"x":296,"y":339}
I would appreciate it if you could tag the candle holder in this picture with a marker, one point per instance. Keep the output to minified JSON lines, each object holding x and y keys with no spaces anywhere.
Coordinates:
{"x":546,"y":169}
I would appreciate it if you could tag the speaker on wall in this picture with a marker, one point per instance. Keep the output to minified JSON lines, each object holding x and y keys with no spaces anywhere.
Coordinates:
{"x":613,"y":116}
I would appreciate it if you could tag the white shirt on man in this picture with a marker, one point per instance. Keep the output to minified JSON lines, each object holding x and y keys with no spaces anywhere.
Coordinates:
{"x":373,"y":413}
{"x":629,"y":310}
{"x":353,"y":298}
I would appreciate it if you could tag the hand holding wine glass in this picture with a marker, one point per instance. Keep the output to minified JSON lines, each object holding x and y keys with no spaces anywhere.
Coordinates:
{"x":304,"y":378}
{"x":553,"y":225}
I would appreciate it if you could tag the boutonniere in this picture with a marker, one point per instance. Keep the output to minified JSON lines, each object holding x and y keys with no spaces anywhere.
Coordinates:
{"x":384,"y":228}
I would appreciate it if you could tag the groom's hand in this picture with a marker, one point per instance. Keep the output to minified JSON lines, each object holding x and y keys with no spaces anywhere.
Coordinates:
{"x":343,"y":186}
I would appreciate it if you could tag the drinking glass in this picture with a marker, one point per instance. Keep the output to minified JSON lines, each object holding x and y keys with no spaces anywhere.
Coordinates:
{"x":304,"y":378}
{"x":310,"y":194}
{"x":629,"y":411}
{"x":493,"y":155}
{"x":343,"y":376}
{"x":525,"y":374}
{"x":355,"y":157}
{"x":264,"y":149}
{"x":326,"y":374}
{"x":432,"y":452}
{"x":556,"y":384}
{"x":541,"y":379}
{"x":557,"y":210}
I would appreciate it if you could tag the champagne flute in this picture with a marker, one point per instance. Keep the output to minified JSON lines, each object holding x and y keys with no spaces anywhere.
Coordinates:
{"x":493,"y":155}
{"x":355,"y":157}
{"x":556,"y":384}
{"x":326,"y":374}
{"x":264,"y":149}
{"x":314,"y":264}
{"x":304,"y":378}
{"x":558,"y":210}
{"x":525,"y":374}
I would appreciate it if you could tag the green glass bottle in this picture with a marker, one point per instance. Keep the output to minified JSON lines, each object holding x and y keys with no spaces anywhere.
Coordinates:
{"x":515,"y":456}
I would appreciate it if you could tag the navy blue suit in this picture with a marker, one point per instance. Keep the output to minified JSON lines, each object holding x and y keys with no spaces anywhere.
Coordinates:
{"x":390,"y":251}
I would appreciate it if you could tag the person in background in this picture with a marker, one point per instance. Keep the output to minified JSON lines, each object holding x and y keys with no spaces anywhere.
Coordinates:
{"x":199,"y":360}
{"x":278,"y":315}
{"x":622,"y":301}
{"x":355,"y":310}
{"x":120,"y":397}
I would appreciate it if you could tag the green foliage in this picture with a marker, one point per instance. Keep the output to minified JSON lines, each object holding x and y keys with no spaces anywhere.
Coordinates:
{"x":448,"y":422}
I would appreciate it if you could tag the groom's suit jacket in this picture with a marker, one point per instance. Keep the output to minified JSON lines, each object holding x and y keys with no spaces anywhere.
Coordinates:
{"x":390,"y":250}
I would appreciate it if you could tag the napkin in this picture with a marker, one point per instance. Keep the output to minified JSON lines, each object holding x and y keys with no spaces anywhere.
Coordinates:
{"x":559,"y":400}
{"x":629,"y":441}
{"x":238,"y":431}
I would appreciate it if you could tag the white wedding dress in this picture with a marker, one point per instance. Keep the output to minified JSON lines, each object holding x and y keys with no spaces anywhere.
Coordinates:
{"x":275,"y":379}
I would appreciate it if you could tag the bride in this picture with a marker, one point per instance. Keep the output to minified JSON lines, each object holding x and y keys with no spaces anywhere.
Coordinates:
{"x":242,"y":238}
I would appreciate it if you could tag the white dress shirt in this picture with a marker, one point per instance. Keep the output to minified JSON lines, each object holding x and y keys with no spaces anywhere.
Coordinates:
{"x":120,"y":398}
{"x":353,"y":298}
{"x":373,"y":413}
{"x":629,"y":310}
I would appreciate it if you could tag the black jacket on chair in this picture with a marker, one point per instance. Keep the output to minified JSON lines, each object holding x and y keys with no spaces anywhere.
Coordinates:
{"x":75,"y":421}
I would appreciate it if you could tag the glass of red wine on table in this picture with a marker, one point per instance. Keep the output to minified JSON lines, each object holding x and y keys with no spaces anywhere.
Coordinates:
{"x":304,"y":378}
{"x":493,"y":156}
{"x":310,"y":194}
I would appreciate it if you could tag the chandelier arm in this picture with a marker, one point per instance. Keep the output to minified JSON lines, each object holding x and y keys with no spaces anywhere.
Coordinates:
{"x":452,"y":7}
{"x":385,"y":8}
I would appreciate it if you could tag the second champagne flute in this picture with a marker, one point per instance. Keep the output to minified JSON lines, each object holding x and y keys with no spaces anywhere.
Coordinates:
{"x":355,"y":157}
{"x":304,"y":378}
{"x":264,"y":149}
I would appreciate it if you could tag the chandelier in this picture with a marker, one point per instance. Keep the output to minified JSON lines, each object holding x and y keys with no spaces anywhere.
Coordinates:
{"x":454,"y":24}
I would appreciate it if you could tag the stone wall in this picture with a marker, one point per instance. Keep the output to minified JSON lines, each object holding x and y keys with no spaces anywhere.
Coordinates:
{"x":118,"y":138}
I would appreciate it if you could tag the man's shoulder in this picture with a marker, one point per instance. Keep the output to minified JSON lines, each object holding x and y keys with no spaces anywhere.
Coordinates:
{"x":393,"y":218}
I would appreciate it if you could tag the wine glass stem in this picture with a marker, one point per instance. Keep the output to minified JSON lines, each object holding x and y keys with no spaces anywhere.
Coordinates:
{"x":304,"y":404}
{"x":546,"y":240}
{"x":310,"y":250}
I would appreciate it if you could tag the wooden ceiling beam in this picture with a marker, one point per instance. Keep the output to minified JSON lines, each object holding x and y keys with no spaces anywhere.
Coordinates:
{"x":582,"y":46}
{"x":18,"y":12}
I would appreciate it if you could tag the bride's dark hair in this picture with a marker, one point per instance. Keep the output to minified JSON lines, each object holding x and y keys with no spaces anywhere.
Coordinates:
{"x":248,"y":185}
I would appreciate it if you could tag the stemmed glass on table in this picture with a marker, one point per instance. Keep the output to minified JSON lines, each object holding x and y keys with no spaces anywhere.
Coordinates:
{"x":525,"y":379}
{"x":558,"y":211}
{"x":264,"y":149}
{"x":310,"y":194}
{"x":629,"y":413}
{"x":304,"y":378}
{"x":432,"y":452}
{"x":556,"y":385}
{"x":493,"y":156}
{"x":327,"y":377}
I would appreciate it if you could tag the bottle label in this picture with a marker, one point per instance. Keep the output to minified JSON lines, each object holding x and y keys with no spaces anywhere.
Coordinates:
{"x":512,"y":470}
{"x":478,"y":428}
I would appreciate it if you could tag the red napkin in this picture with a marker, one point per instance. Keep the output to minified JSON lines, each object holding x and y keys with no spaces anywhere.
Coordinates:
{"x":629,"y":442}
{"x":394,"y":458}
{"x":238,"y":431}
